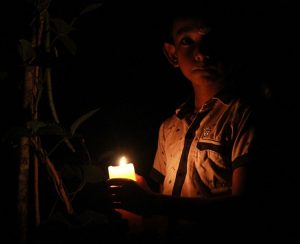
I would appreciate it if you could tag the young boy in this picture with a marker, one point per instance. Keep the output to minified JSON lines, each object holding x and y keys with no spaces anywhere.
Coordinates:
{"x":204,"y":149}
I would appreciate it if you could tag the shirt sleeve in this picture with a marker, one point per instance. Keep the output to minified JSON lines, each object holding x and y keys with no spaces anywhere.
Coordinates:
{"x":159,"y":166}
{"x":244,"y":139}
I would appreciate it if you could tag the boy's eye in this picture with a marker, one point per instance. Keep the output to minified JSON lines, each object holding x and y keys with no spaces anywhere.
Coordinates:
{"x":186,"y":41}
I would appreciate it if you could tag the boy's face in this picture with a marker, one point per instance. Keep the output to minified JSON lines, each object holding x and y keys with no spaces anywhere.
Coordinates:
{"x":194,"y":47}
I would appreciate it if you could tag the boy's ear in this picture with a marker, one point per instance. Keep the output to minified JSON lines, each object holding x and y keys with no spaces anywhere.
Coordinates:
{"x":169,"y":51}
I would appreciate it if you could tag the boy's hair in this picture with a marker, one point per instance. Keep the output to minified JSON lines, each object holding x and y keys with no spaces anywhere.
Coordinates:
{"x":220,"y":16}
{"x":211,"y":16}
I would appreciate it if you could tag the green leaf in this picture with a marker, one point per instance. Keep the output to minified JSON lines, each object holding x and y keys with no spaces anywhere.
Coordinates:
{"x":60,"y":26}
{"x":56,"y":130}
{"x":68,"y":43}
{"x":81,"y":119}
{"x":35,"y":125}
{"x":91,"y":8}
{"x":42,"y":128}
{"x":26,"y":50}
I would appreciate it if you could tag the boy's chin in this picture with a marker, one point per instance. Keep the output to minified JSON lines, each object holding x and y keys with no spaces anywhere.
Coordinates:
{"x":210,"y":74}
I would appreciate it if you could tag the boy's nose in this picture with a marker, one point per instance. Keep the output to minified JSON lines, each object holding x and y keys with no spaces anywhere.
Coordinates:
{"x":200,"y":57}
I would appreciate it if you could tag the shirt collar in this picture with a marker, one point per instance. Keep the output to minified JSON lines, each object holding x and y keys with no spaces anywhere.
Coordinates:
{"x":225,"y":95}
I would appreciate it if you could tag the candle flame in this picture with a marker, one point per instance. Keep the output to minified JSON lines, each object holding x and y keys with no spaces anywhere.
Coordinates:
{"x":123,"y":161}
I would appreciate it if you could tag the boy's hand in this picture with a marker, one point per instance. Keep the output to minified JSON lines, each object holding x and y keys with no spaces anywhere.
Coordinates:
{"x":128,"y":194}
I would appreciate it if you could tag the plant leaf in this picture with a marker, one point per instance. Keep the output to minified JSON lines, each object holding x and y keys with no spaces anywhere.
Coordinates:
{"x":42,"y":128}
{"x":68,"y":43}
{"x":26,"y":50}
{"x":60,"y":26}
{"x":35,"y":125}
{"x":91,"y":8}
{"x":52,"y":130}
{"x":81,"y":119}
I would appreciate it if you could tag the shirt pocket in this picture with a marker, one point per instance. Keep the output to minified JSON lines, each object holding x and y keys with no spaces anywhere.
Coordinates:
{"x":214,"y":165}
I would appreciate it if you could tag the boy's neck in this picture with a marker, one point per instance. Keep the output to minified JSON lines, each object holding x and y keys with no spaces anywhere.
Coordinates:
{"x":205,"y":92}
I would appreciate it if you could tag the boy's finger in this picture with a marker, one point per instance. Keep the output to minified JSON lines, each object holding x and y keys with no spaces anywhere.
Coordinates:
{"x":118,"y":181}
{"x":116,"y":205}
{"x":113,"y":189}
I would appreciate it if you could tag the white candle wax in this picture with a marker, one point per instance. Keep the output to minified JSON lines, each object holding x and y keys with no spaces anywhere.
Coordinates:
{"x":124,"y":170}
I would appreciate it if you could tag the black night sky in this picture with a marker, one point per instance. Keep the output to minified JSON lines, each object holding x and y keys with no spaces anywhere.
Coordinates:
{"x":119,"y":67}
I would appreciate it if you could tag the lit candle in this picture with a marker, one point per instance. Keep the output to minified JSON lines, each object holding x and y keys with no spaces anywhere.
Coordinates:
{"x":124,"y":170}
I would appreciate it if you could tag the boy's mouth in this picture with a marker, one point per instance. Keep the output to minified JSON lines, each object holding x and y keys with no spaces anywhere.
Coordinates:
{"x":203,"y":68}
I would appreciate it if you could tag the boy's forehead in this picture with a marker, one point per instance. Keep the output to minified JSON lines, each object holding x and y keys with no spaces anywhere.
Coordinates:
{"x":187,"y":25}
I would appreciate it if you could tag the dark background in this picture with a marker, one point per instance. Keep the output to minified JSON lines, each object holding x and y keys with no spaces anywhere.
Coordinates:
{"x":120,"y":68}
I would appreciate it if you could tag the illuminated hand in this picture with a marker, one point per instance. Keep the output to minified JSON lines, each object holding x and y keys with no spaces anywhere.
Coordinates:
{"x":130,"y":195}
